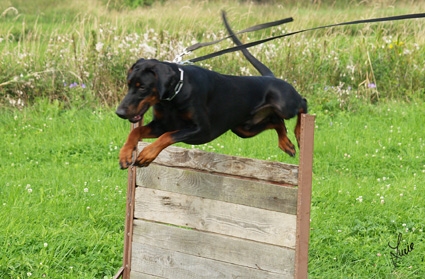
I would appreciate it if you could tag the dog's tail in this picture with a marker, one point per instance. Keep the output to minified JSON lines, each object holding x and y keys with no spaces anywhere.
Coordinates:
{"x":264,"y":71}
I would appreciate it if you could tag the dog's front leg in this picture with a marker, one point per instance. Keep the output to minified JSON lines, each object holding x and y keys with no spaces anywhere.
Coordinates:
{"x":150,"y":152}
{"x":195,"y":135}
{"x":126,"y":152}
{"x":198,"y":133}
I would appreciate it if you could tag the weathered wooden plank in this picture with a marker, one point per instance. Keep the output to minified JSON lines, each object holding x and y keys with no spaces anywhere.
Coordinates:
{"x":129,"y":212}
{"x":175,"y":265}
{"x":216,"y":216}
{"x":224,"y":164}
{"x":216,"y":247}
{"x":140,"y":275}
{"x":304,"y":195}
{"x":224,"y":188}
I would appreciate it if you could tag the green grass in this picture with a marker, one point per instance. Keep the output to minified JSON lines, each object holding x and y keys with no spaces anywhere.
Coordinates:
{"x":62,"y":195}
{"x":61,"y":187}
{"x":368,"y":176}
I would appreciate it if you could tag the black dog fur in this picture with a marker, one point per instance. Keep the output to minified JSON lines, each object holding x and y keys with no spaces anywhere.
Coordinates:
{"x":208,"y":105}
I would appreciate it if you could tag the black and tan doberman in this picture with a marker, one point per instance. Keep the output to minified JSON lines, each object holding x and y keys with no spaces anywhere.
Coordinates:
{"x":195,"y":105}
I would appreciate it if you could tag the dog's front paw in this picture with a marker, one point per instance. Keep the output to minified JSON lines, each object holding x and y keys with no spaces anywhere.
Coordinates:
{"x":126,"y":157}
{"x":148,"y":154}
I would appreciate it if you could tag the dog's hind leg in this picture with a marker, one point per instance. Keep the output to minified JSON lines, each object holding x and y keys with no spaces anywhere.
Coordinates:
{"x":284,"y":142}
{"x":274,"y":122}
{"x":297,"y":130}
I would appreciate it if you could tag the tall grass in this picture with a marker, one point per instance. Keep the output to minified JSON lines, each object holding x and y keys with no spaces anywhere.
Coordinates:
{"x":70,"y":54}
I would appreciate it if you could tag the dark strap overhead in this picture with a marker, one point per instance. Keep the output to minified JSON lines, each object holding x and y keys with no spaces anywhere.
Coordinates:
{"x":250,"y":29}
{"x":247,"y":45}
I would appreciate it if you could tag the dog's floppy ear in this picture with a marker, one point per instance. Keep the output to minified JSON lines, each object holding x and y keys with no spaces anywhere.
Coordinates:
{"x":166,"y":77}
{"x":132,"y":66}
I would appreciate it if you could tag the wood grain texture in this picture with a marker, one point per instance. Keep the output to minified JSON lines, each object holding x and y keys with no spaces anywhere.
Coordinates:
{"x":223,"y":188}
{"x":216,"y":216}
{"x":142,"y":275}
{"x":304,"y":196}
{"x":216,"y":247}
{"x":176,"y":265}
{"x":229,"y":165}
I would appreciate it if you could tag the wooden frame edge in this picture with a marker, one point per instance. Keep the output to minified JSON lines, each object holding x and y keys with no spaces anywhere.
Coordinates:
{"x":124,"y":272}
{"x":119,"y":273}
{"x":304,"y":195}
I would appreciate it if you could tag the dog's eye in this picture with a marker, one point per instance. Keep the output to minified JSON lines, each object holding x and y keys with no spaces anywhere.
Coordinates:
{"x":140,"y":86}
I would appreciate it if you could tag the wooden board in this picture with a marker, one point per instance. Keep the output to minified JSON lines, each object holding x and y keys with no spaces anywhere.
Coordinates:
{"x":172,"y":264}
{"x":194,"y":214}
{"x":215,"y":247}
{"x":223,"y":188}
{"x":216,"y":216}
{"x":227,"y":165}
{"x":224,"y":221}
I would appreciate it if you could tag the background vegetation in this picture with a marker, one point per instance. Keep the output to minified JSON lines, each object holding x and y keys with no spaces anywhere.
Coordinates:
{"x":62,"y":72}
{"x":56,"y":50}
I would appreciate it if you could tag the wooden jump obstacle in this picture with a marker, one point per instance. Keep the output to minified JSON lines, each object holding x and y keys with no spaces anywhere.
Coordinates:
{"x":194,"y":214}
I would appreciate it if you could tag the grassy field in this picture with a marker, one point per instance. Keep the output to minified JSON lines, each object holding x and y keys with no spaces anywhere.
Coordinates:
{"x":62,"y":195}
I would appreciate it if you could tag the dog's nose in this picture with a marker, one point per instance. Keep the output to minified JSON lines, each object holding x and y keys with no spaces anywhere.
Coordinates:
{"x":121,"y":113}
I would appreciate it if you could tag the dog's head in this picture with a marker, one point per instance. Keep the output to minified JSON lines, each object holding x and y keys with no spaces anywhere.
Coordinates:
{"x":149,"y":82}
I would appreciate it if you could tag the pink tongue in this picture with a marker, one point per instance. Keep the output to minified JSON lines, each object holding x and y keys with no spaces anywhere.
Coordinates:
{"x":137,"y":118}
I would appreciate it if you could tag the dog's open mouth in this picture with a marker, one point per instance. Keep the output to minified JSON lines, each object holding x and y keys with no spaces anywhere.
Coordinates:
{"x":139,"y":116}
